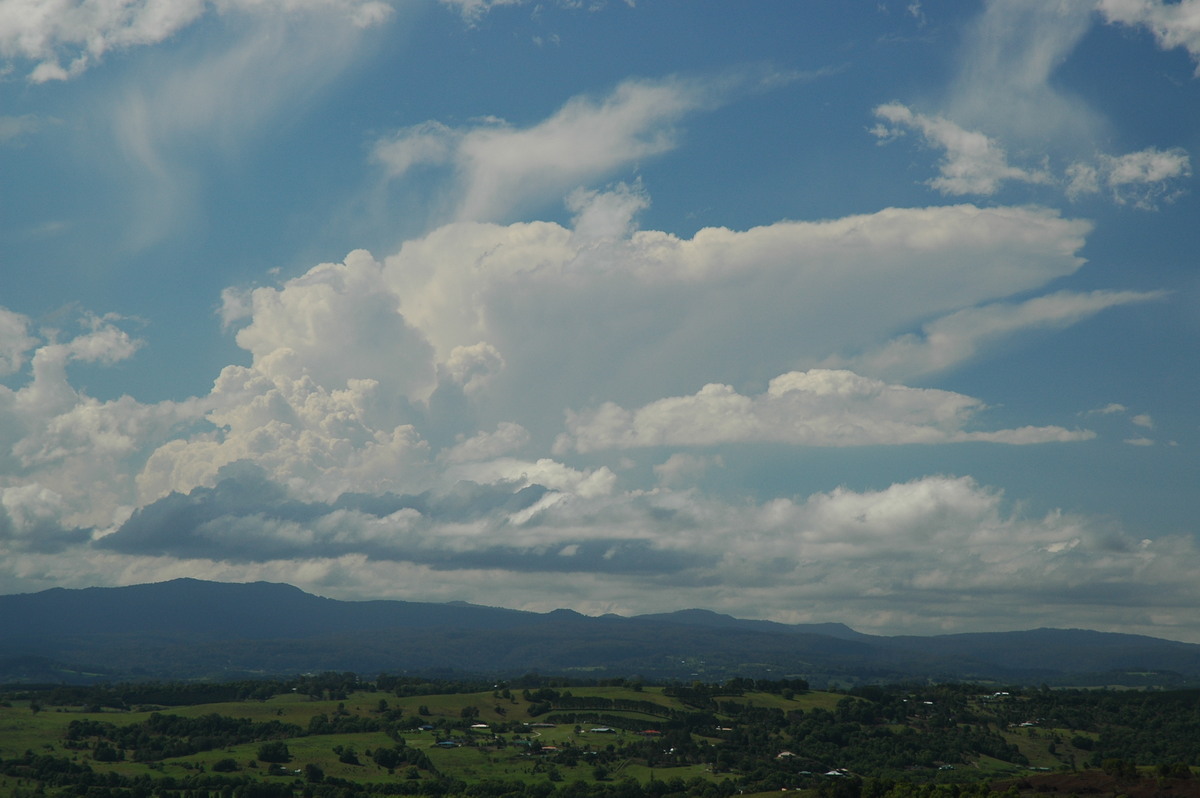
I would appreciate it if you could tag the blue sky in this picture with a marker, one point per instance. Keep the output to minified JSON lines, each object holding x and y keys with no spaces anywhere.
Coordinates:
{"x":882,"y":313}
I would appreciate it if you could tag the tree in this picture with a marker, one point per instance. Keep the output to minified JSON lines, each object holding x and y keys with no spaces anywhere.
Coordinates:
{"x":387,"y":758}
{"x":104,"y":752}
{"x":274,"y":751}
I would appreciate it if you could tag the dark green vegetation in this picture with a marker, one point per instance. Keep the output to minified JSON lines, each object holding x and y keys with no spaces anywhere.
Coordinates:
{"x":337,"y":736}
{"x":189,"y":629}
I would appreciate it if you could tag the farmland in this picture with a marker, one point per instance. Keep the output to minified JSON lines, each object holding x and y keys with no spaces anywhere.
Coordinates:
{"x":337,"y":735}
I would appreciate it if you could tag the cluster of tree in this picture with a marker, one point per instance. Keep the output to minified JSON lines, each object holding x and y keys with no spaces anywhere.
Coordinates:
{"x":167,"y":694}
{"x":162,"y":736}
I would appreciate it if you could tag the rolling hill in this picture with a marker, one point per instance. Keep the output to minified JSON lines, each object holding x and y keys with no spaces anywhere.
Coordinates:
{"x":192,"y":629}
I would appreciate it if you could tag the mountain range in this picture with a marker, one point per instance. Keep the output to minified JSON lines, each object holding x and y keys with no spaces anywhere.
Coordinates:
{"x":192,"y":629}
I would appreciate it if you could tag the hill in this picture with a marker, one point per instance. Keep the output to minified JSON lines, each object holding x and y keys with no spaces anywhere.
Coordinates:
{"x":189,"y":629}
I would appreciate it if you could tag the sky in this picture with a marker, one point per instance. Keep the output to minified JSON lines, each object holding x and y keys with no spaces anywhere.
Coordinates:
{"x":885,"y":313}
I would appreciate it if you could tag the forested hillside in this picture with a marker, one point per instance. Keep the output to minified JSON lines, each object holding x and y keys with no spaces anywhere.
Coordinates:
{"x":192,"y":629}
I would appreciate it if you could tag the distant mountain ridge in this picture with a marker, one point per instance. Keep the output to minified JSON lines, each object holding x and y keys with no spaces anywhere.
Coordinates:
{"x":189,"y":628}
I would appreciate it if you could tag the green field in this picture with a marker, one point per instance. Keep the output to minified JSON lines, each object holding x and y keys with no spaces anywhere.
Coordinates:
{"x":336,"y":737}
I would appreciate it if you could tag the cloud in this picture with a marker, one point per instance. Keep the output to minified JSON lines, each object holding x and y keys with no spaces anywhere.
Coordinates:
{"x":501,"y":169}
{"x":15,"y":341}
{"x":340,"y":321}
{"x":815,"y":408}
{"x":935,"y":554}
{"x":1173,"y":24}
{"x":637,"y":315}
{"x":1004,"y":84}
{"x":67,"y":459}
{"x":683,"y":468}
{"x":445,"y":361}
{"x":1004,"y":100}
{"x":1141,"y":179}
{"x":473,"y":10}
{"x":506,"y":439}
{"x":14,"y":128}
{"x":972,"y":163}
{"x":64,"y":39}
{"x":247,"y":517}
{"x":158,"y":131}
{"x":954,"y":339}
{"x":30,"y":520}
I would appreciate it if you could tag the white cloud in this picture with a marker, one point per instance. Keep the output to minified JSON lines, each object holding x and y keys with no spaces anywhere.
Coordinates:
{"x":972,"y":164}
{"x":1175,"y":24}
{"x":683,"y":468}
{"x":500,"y":168}
{"x":73,"y":453}
{"x":327,"y":402}
{"x":66,"y":37}
{"x":1143,"y":420}
{"x":634,"y":317}
{"x":15,"y":341}
{"x":935,"y":554}
{"x":473,"y":10}
{"x":354,"y":366}
{"x":340,"y":321}
{"x":1141,"y":178}
{"x":506,"y":439}
{"x":1004,"y":85}
{"x":13,"y":128}
{"x":1004,"y":100}
{"x":1140,"y":441}
{"x":962,"y":335}
{"x":815,"y":408}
